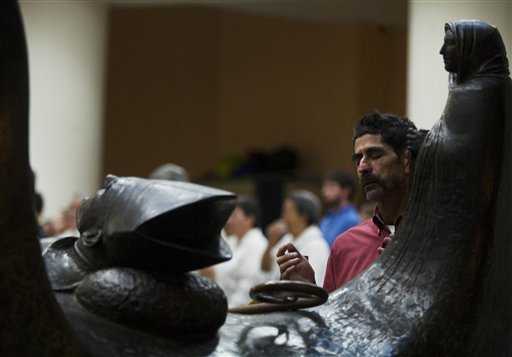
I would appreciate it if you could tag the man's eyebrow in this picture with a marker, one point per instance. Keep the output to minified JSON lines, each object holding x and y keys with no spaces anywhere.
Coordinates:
{"x":374,"y":149}
{"x":356,"y":157}
{"x":369,"y":149}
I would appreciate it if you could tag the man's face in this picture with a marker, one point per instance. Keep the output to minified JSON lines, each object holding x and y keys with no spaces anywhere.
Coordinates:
{"x":290,"y":214}
{"x":238,"y":223}
{"x":380,"y":170}
{"x":449,"y":51}
{"x":333,"y":193}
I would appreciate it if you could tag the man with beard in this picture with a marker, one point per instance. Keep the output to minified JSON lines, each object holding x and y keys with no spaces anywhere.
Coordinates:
{"x":384,"y":147}
{"x":338,"y":190}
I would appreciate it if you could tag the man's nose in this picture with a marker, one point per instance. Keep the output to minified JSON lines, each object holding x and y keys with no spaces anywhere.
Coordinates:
{"x":363,"y":167}
{"x":441,"y":51}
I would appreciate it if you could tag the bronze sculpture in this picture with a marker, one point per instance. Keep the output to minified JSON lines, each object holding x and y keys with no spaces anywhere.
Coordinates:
{"x":138,"y":239}
{"x":154,"y":225}
{"x":441,"y":288}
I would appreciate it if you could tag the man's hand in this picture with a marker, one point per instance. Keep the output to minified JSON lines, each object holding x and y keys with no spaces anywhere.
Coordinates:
{"x":385,"y":242}
{"x":293,"y":265}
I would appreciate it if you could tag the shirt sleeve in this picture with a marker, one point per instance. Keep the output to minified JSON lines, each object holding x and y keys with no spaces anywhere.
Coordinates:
{"x":335,"y":263}
{"x":240,"y":274}
{"x":318,"y":254}
{"x":330,"y":274}
{"x":249,"y":264}
{"x":349,"y":221}
{"x":248,"y":275}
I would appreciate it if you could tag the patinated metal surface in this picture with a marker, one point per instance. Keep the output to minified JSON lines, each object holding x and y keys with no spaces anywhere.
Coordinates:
{"x":152,"y":225}
{"x":282,"y":295}
{"x":185,"y":305}
{"x":138,"y":238}
{"x":441,"y":289}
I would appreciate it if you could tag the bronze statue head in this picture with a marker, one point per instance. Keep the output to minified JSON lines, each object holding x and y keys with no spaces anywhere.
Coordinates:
{"x":473,"y":48}
{"x":152,"y":225}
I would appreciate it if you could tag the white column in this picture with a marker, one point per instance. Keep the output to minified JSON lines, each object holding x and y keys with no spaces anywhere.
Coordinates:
{"x":66,"y":46}
{"x":427,"y":81}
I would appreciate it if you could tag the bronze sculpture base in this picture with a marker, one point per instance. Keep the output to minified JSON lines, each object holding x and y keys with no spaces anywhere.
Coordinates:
{"x":163,"y":305}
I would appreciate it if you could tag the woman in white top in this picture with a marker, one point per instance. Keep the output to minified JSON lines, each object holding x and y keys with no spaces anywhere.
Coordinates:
{"x":238,"y":275}
{"x":300,"y":215}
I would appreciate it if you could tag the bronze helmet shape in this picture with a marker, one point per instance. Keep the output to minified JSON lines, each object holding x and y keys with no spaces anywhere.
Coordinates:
{"x":152,"y":225}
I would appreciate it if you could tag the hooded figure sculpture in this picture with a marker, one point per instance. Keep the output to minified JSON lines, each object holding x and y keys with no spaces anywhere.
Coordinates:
{"x":456,"y":236}
{"x":442,"y":288}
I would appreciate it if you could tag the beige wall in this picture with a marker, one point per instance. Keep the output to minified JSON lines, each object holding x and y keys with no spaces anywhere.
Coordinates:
{"x":192,"y":85}
{"x":66,"y":48}
{"x":304,"y":84}
{"x":162,"y":90}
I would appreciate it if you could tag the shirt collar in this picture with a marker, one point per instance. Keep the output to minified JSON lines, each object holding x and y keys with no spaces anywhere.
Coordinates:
{"x":379,"y":221}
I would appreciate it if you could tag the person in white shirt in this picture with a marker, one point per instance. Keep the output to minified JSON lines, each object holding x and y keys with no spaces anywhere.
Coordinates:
{"x":238,"y":275}
{"x":298,"y":225}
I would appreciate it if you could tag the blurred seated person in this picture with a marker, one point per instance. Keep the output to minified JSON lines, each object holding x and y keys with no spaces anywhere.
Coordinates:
{"x":65,"y":222}
{"x":238,"y":275}
{"x":170,"y":172}
{"x":338,"y":190}
{"x":298,"y":225}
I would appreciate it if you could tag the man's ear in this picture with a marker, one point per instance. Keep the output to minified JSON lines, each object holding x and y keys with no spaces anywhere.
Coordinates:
{"x":407,"y":162}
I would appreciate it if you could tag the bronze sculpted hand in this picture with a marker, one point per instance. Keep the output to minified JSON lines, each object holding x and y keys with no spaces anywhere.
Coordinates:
{"x":293,"y":265}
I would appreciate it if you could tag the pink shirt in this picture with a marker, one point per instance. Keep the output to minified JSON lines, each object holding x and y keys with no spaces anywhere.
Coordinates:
{"x":354,"y":251}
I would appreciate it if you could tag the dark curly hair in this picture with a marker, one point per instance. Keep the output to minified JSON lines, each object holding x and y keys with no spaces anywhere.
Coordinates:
{"x":397,"y":132}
